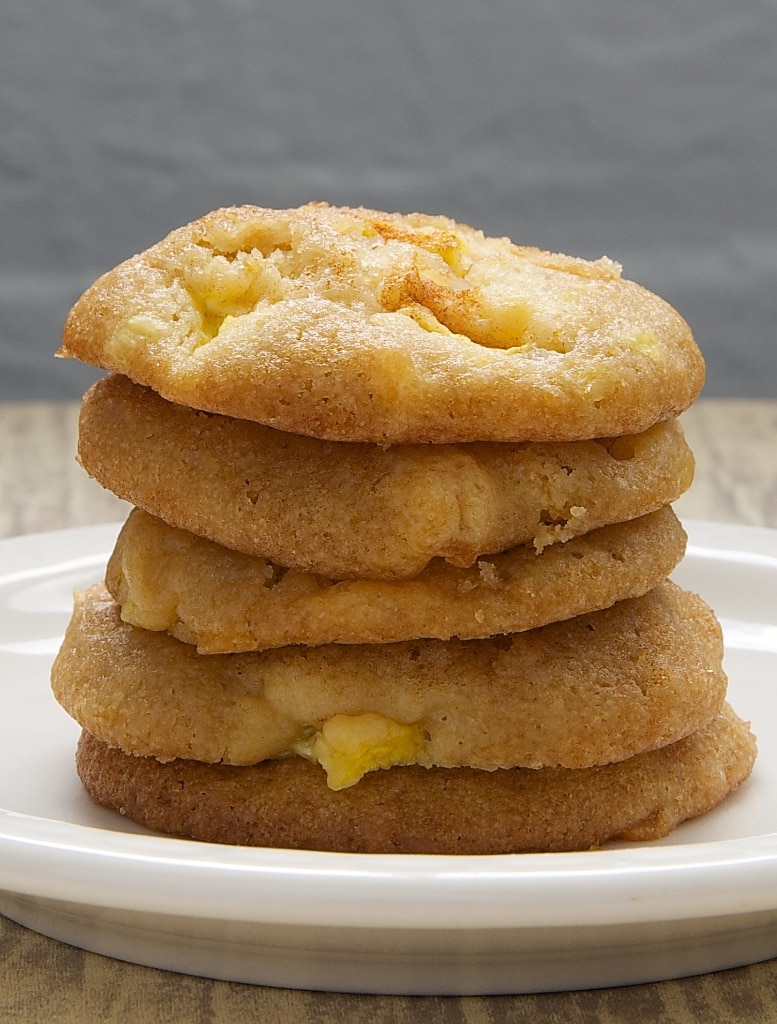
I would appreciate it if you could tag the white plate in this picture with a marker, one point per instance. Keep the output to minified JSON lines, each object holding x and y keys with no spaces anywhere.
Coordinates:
{"x":701,"y":900}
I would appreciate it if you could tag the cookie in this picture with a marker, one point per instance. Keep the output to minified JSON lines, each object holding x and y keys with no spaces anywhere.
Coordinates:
{"x":359,"y":325}
{"x":594,"y":689}
{"x":286,"y":803}
{"x":224,"y":601}
{"x":358,"y":510}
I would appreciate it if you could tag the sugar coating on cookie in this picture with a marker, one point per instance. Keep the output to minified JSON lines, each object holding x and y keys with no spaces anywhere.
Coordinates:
{"x":358,"y":510}
{"x":286,"y":803}
{"x":224,"y":601}
{"x":353,"y":324}
{"x":594,"y":689}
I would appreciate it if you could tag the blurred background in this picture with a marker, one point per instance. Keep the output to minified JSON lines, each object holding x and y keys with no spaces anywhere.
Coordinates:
{"x":643,"y":131}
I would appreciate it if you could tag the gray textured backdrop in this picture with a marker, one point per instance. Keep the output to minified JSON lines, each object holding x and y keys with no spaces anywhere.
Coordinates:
{"x":645,"y":131}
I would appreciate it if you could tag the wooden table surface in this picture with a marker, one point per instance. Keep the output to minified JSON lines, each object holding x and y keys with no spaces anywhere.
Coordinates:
{"x":42,"y":488}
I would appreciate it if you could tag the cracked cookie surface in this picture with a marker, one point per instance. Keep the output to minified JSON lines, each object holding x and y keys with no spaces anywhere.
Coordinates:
{"x":353,"y":324}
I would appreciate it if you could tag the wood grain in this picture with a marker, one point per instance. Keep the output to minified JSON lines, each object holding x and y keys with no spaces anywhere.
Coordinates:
{"x":43,"y":488}
{"x":735,"y":444}
{"x":47,"y":982}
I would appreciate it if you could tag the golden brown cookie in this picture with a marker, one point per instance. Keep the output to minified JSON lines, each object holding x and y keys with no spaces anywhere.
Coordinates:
{"x":286,"y":803}
{"x":359,"y":510}
{"x":594,"y":689}
{"x":224,"y":601}
{"x":361,"y":325}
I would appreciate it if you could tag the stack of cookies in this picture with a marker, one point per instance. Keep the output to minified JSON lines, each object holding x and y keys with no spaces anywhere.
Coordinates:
{"x":396,"y":577}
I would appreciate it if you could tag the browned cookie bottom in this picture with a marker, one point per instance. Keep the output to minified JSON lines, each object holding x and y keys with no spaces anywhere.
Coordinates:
{"x":286,"y":802}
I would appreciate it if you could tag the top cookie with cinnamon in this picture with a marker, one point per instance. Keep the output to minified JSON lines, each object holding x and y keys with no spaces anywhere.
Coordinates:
{"x":351,"y":324}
